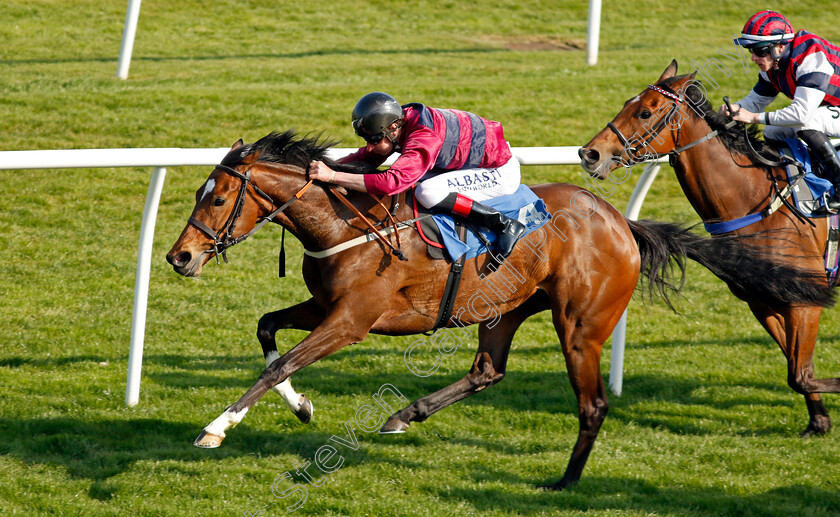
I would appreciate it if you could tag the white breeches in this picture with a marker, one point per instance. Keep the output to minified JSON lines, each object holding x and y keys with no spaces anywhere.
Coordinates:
{"x":477,"y":184}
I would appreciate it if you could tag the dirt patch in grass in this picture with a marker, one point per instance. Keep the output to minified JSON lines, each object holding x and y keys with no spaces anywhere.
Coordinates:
{"x":531,"y":43}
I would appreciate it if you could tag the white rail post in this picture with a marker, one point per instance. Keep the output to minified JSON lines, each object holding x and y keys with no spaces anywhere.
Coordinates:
{"x":129,"y":31}
{"x":634,"y":206}
{"x":141,"y":286}
{"x":593,"y":31}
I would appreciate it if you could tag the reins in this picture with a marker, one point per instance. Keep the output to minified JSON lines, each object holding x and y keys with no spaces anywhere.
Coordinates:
{"x":398,"y":249}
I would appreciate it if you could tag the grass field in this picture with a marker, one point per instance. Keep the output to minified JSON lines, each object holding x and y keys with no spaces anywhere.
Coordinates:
{"x":706,"y":424}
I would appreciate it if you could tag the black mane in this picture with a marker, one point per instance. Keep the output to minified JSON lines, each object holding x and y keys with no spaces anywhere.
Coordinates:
{"x":733,"y":138}
{"x":289,"y":148}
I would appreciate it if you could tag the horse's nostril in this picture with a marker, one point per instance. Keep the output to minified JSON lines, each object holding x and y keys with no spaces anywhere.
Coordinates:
{"x":588,"y":155}
{"x":179,"y":259}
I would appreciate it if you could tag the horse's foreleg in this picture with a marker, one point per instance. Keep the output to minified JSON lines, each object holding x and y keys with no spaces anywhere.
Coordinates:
{"x":337,"y":331}
{"x":796,"y":333}
{"x":487,"y":369}
{"x":304,"y":316}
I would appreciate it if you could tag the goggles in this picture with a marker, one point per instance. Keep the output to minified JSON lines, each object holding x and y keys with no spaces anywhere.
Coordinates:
{"x":761,"y":51}
{"x":371,"y":139}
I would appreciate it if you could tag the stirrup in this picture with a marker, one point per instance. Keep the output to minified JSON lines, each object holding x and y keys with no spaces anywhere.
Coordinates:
{"x":831,"y":207}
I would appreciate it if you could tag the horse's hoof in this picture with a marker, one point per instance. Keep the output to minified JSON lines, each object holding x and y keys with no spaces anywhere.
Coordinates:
{"x":394,"y":426}
{"x":306,"y":410}
{"x":817,"y":428}
{"x":560,"y":485}
{"x":208,"y":441}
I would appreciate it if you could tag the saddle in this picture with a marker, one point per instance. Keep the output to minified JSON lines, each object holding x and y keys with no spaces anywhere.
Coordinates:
{"x":804,"y":172}
{"x":442,"y":232}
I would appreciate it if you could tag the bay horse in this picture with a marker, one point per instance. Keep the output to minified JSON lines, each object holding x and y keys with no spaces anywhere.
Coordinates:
{"x":583,"y":265}
{"x":724,"y":180}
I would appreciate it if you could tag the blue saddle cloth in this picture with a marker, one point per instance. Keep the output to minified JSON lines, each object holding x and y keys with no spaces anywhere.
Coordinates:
{"x":522,"y":205}
{"x":810,"y":191}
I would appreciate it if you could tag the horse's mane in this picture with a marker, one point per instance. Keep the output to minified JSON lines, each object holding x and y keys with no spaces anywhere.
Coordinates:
{"x":290,"y":148}
{"x":733,"y":138}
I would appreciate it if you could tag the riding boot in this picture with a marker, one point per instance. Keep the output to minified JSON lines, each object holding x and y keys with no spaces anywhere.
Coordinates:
{"x":819,"y":143}
{"x":509,"y":230}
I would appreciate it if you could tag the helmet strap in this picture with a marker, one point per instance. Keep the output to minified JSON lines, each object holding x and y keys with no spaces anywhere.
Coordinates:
{"x":776,"y":55}
{"x":392,"y":135}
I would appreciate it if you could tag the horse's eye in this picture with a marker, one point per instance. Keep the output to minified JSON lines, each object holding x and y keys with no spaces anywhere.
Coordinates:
{"x":219,"y":201}
{"x":645,"y":114}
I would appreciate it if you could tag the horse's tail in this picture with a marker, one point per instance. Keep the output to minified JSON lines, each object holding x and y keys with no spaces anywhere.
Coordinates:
{"x":749,"y":274}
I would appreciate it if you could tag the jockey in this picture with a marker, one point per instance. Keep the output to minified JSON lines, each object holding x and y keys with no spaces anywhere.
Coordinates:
{"x":804,"y":67}
{"x":457,"y":159}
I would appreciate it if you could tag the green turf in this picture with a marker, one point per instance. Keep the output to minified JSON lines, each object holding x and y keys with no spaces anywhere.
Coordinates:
{"x":706,"y":424}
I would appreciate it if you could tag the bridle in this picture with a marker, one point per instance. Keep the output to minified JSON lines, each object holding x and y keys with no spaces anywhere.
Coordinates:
{"x":660,"y":125}
{"x":655,"y":130}
{"x":223,"y":238}
{"x":781,"y":195}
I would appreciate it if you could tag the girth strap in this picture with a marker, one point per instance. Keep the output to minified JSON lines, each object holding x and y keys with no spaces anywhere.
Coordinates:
{"x":450,"y":291}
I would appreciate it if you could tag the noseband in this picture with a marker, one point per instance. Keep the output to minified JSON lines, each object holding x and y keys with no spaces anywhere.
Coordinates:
{"x":223,"y":239}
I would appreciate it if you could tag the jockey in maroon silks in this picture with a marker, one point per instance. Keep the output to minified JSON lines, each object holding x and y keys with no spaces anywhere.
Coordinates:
{"x":805,"y":68}
{"x":456,"y":159}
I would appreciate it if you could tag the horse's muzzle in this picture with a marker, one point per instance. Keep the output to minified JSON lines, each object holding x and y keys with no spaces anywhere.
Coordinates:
{"x":589,"y":159}
{"x":183,"y":263}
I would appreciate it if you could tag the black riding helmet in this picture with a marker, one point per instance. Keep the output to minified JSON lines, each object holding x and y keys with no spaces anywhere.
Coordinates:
{"x":373,"y":114}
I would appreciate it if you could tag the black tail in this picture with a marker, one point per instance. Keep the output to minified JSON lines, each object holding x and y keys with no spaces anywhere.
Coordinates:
{"x":749,"y":274}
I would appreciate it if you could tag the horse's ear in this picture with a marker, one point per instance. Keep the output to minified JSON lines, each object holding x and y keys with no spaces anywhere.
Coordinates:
{"x":237,"y":144}
{"x":251,"y":158}
{"x":669,"y":72}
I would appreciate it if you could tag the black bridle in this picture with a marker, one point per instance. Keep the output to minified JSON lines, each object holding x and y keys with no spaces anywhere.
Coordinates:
{"x":223,"y":238}
{"x":653,"y":132}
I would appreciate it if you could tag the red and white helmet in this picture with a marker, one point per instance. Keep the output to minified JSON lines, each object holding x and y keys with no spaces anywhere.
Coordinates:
{"x":765,"y":28}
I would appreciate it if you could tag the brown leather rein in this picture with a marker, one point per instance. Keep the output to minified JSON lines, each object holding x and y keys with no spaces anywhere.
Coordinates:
{"x":398,"y":249}
{"x":223,"y":238}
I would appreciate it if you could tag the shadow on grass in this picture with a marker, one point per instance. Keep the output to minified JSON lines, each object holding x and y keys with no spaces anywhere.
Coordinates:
{"x":98,"y":450}
{"x":613,"y":495}
{"x":20,"y":362}
{"x":654,"y":401}
{"x":735,"y":341}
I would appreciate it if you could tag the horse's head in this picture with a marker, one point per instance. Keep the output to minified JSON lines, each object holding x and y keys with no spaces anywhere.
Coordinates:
{"x":646,"y":127}
{"x":227,"y":207}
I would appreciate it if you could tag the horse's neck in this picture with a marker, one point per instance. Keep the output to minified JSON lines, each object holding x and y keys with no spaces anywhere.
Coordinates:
{"x":718,"y":182}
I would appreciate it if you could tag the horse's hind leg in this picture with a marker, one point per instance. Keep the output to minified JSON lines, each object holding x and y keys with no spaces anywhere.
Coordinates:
{"x":583,"y":363}
{"x":795,"y":332}
{"x":583,"y":323}
{"x":304,"y":316}
{"x":487,"y":369}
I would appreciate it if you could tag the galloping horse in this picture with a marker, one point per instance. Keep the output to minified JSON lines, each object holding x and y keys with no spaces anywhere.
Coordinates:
{"x":724,"y":180}
{"x":583,"y":265}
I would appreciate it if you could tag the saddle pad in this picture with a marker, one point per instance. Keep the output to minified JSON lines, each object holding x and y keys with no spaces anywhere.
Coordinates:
{"x":522,"y":205}
{"x":809,"y":190}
